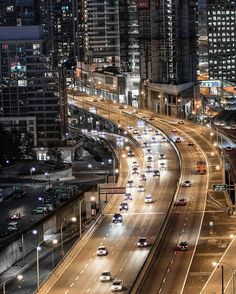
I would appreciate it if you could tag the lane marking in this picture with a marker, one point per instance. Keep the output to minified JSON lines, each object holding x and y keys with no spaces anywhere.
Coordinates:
{"x":72,"y":285}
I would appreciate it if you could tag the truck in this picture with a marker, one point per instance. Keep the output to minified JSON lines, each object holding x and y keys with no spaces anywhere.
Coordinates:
{"x":201,"y":167}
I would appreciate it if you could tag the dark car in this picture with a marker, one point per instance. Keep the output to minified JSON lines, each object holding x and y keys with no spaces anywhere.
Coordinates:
{"x":190,"y":143}
{"x":117,"y":218}
{"x":142,"y":242}
{"x":128,"y":196}
{"x":151,"y":118}
{"x":182,"y":246}
{"x":177,"y":140}
{"x":156,"y":173}
{"x":124,"y":206}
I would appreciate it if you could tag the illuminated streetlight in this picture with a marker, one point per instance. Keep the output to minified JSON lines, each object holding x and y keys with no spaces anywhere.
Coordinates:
{"x":19,"y":278}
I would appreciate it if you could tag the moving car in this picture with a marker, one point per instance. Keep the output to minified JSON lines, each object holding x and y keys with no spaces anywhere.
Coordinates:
{"x":174,"y":130}
{"x":130,"y":153}
{"x":149,"y":159}
{"x":190,"y":143}
{"x":148,"y":198}
{"x":142,"y":177}
{"x":148,"y":169}
{"x":13,"y":226}
{"x":121,"y":107}
{"x":149,"y":151}
{"x":15,"y":216}
{"x":162,"y":165}
{"x":156,"y":173}
{"x":181,"y":122}
{"x":124,"y":206}
{"x":151,"y":118}
{"x":162,"y":156}
{"x":102,"y":250}
{"x":186,"y":183}
{"x":142,"y":242}
{"x":182,"y":246}
{"x":229,"y":148}
{"x":141,"y":188}
{"x":181,"y":202}
{"x":177,"y":140}
{"x":135,"y":172}
{"x":117,"y":218}
{"x":117,"y":285}
{"x":95,"y":100}
{"x":39,"y":210}
{"x":130,"y":183}
{"x":154,"y":140}
{"x":128,"y":196}
{"x":105,"y":276}
{"x":163,"y":139}
{"x":136,"y":132}
{"x":145,"y":132}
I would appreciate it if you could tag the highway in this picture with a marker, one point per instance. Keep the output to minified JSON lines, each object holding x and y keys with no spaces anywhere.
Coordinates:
{"x":142,"y":219}
{"x":171,"y":268}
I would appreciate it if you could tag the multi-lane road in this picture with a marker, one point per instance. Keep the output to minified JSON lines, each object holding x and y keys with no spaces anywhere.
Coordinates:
{"x":125,"y":258}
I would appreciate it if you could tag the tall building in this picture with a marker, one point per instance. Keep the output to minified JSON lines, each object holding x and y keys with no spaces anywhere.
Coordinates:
{"x":29,"y":90}
{"x":168,"y":54}
{"x":111,"y":49}
{"x":217,"y":54}
{"x":222,"y":39}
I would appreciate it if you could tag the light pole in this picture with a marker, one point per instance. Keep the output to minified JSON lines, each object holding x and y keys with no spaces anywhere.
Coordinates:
{"x":19,"y":278}
{"x":32,"y":170}
{"x":73,"y":219}
{"x":90,"y":166}
{"x":47,"y":176}
{"x":93,"y":205}
{"x":221,"y":265}
{"x":38,"y":248}
{"x":80,"y":217}
{"x":54,"y":242}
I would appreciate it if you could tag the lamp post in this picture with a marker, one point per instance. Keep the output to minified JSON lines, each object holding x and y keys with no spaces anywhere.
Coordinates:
{"x":93,"y":205}
{"x":221,"y":265}
{"x":54,"y":242}
{"x":90,"y":166}
{"x":73,"y":219}
{"x":47,"y":176}
{"x":19,"y":278}
{"x":32,"y":170}
{"x":38,"y":248}
{"x":80,"y":217}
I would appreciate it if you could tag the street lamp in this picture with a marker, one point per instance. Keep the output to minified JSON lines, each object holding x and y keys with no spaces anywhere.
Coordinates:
{"x":221,"y":265}
{"x":90,"y":166}
{"x":47,"y":176}
{"x":73,"y":219}
{"x":32,"y":170}
{"x":38,"y":248}
{"x":93,"y":205}
{"x":19,"y":278}
{"x":54,"y":243}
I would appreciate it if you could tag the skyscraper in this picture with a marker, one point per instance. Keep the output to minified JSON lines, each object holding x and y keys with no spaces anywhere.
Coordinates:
{"x":29,"y":89}
{"x":168,"y":53}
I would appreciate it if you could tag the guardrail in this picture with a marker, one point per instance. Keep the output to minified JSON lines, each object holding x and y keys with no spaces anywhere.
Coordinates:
{"x":147,"y":264}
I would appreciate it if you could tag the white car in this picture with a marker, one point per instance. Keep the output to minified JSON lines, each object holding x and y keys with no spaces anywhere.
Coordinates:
{"x":186,"y":183}
{"x":141,"y":188}
{"x":13,"y":226}
{"x":117,"y":285}
{"x":148,"y":198}
{"x":105,"y":276}
{"x":102,"y":250}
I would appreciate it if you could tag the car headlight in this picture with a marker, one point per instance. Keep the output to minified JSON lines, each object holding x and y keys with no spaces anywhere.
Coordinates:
{"x":119,"y":218}
{"x":145,"y":243}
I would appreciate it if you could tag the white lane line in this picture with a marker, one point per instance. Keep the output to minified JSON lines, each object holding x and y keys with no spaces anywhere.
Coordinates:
{"x":86,"y":264}
{"x":72,"y":285}
{"x":81,"y":272}
{"x":107,"y":234}
{"x":163,"y":282}
{"x":94,"y":254}
{"x":66,"y":291}
{"x":104,"y":238}
{"x":90,"y":259}
{"x":121,"y":269}
{"x":160,"y":290}
{"x":131,"y":252}
{"x":88,"y":290}
{"x":95,"y":279}
{"x":76,"y":278}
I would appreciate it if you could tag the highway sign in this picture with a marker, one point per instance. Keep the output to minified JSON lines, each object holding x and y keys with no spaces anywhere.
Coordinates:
{"x":219,"y":187}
